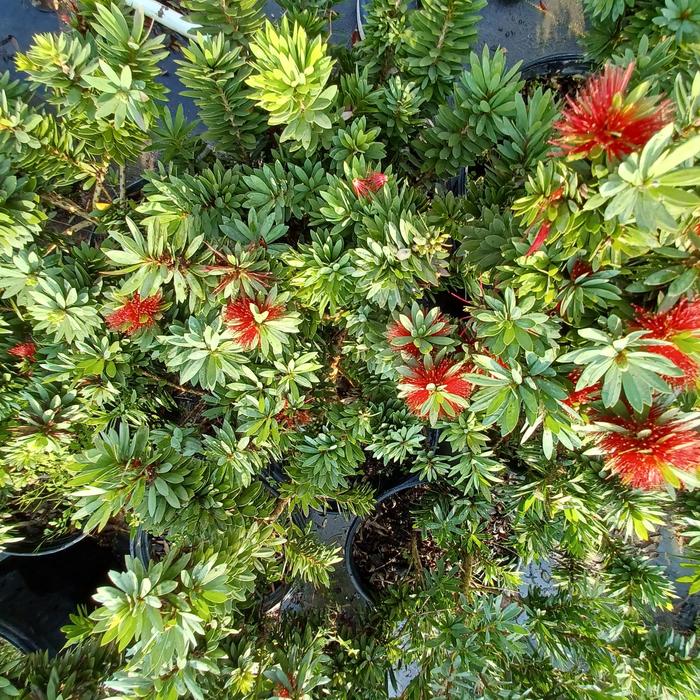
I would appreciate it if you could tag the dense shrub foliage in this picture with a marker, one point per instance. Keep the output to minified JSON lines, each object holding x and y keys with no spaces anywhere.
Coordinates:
{"x":299,"y":287}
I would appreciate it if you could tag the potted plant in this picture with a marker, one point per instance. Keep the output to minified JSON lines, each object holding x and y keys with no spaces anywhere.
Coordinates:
{"x":296,"y":286}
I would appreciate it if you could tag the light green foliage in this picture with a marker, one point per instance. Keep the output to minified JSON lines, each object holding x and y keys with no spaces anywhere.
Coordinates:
{"x":150,"y":477}
{"x":63,"y":311}
{"x":440,"y":33}
{"x":290,"y":81}
{"x":236,"y":19}
{"x":20,"y":215}
{"x":205,"y":354}
{"x":625,"y":366}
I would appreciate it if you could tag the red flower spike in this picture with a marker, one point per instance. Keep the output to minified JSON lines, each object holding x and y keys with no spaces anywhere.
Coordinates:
{"x":240,"y":317}
{"x":372,"y":183}
{"x":24,"y":351}
{"x":684,"y":317}
{"x":540,"y":238}
{"x":397,"y":330}
{"x":135,"y":314}
{"x":601,"y":118}
{"x":581,"y":397}
{"x":690,"y":368}
{"x":545,"y":226}
{"x":445,"y":379}
{"x":645,"y":447}
{"x":580,"y":268}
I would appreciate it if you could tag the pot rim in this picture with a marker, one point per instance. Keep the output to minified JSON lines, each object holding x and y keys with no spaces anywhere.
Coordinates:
{"x":62,"y":543}
{"x":14,"y":636}
{"x":566,"y":63}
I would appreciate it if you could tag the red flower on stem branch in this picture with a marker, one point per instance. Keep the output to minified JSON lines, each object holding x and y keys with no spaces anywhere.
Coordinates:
{"x":435,"y":390}
{"x":602,"y":118}
{"x":135,"y":314}
{"x":546,"y":225}
{"x":24,"y":351}
{"x":682,"y":320}
{"x":373,"y":182}
{"x":580,"y":268}
{"x":396,"y":331}
{"x":245,"y":318}
{"x":642,"y":451}
{"x":580,"y":397}
{"x":540,"y":238}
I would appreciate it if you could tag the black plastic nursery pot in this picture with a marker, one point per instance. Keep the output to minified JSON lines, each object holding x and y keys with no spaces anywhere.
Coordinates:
{"x":364,"y":588}
{"x":39,"y":593}
{"x":28,"y":548}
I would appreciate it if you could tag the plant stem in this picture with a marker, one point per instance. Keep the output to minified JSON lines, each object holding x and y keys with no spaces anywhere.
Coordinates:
{"x":467,"y":566}
{"x":415,"y":556}
{"x":57,"y":200}
{"x":173,"y":385}
{"x":122,"y":183}
{"x":77,"y":227}
{"x":282,"y":503}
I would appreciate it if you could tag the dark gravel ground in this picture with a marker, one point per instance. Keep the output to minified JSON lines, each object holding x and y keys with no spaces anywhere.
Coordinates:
{"x":527,"y":29}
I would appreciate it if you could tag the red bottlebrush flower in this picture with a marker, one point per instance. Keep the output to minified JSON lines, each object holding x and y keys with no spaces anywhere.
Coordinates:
{"x":545,"y":226}
{"x":689,"y":367}
{"x":435,"y":390}
{"x":683,"y":318}
{"x":417,"y":332}
{"x":291,"y":417}
{"x":246,"y":316}
{"x":24,"y":351}
{"x":367,"y":185}
{"x":640,"y":450}
{"x":396,"y":331}
{"x":602,"y":118}
{"x":135,"y":314}
{"x":580,"y":268}
{"x":583,"y":396}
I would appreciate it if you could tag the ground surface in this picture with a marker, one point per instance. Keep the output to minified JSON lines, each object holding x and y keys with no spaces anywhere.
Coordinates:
{"x":528,"y":30}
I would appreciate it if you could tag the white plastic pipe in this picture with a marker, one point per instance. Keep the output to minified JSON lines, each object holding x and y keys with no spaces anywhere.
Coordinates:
{"x":169,"y":18}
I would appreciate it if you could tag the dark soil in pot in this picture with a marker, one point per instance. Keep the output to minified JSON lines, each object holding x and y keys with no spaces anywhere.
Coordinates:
{"x":386,"y":550}
{"x":564,"y":75}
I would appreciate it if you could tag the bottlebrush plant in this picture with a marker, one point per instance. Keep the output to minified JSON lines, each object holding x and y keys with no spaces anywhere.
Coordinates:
{"x":295,"y":310}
